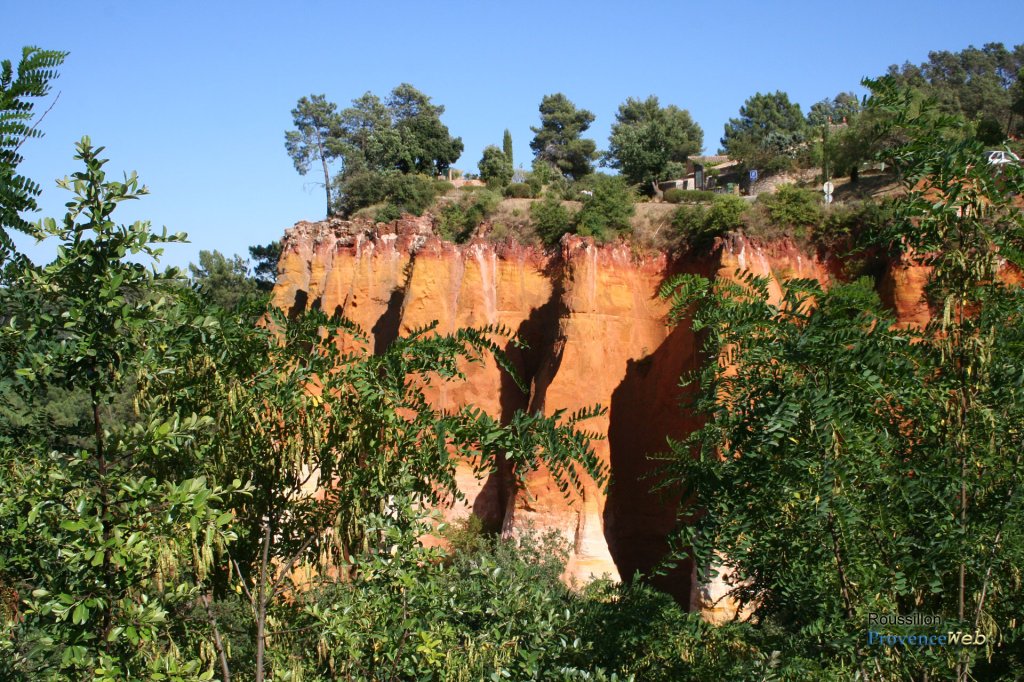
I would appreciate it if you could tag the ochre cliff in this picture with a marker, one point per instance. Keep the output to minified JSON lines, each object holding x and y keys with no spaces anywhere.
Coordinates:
{"x":597,"y":333}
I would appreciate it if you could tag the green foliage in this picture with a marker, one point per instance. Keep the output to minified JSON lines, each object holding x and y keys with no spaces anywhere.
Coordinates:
{"x":649,"y":143}
{"x":688,"y":196}
{"x":768,"y":133}
{"x":426,"y":145}
{"x":99,"y":544}
{"x":607,"y":209}
{"x":699,"y":224}
{"x":853,"y":465}
{"x":379,"y":140}
{"x":315,"y":137}
{"x":266,"y":258}
{"x":225,"y":282}
{"x":460,"y":218}
{"x":17,"y":90}
{"x":411,"y":193}
{"x":979,"y":84}
{"x":506,"y":147}
{"x":792,"y":206}
{"x":520,"y":190}
{"x":551,"y":219}
{"x":842,"y":108}
{"x":495,"y":609}
{"x":558,"y":142}
{"x":495,"y":167}
{"x":401,"y":193}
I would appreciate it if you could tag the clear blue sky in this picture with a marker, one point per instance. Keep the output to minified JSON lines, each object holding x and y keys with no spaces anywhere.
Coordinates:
{"x":196,"y":96}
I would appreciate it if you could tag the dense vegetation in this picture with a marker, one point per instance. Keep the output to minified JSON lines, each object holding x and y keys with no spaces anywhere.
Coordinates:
{"x":195,"y":486}
{"x":854,"y":466}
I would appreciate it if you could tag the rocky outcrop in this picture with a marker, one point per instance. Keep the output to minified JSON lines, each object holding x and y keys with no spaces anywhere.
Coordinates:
{"x":597,"y":333}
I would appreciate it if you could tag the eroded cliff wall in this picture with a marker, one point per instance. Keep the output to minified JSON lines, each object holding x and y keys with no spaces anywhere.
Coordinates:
{"x":597,"y":334}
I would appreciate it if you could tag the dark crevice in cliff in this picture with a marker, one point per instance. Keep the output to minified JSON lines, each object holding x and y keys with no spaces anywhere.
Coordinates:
{"x":299,"y":306}
{"x":538,"y":332}
{"x":647,"y":408}
{"x":545,"y":326}
{"x":385,"y":330}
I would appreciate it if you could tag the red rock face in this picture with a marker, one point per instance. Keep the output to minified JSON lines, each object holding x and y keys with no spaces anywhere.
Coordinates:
{"x":597,"y":334}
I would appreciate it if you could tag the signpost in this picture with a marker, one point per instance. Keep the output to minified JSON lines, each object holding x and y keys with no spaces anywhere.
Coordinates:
{"x":827,"y":189}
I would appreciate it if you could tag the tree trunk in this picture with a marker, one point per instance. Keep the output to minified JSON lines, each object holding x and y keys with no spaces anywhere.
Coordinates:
{"x":261,"y":607}
{"x":218,"y":643}
{"x":327,"y":183}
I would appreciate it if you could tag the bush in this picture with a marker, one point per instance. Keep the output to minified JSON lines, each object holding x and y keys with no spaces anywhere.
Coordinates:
{"x":687,"y":196}
{"x":459,"y":219}
{"x":607,"y":211}
{"x":442,"y":187}
{"x":726,"y":214}
{"x":385,"y":213}
{"x":520,"y":190}
{"x":358,"y":190}
{"x":699,"y":224}
{"x":551,"y":219}
{"x":791,"y":206}
{"x":412,"y":193}
{"x":404,"y":193}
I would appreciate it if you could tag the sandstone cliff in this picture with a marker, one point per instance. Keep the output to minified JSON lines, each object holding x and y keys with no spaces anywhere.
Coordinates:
{"x":597,"y":334}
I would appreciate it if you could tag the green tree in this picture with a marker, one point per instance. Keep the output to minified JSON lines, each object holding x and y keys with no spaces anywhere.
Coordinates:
{"x":100,"y":545}
{"x":315,"y":137}
{"x":224,"y":281}
{"x":840,"y":109}
{"x":266,"y":257}
{"x":977,"y":83}
{"x":767,"y":134}
{"x":495,"y":168}
{"x":607,"y":209}
{"x":551,"y":219}
{"x":369,"y":138}
{"x":344,"y":451}
{"x":426,"y":145}
{"x":854,"y":466}
{"x":506,"y":147}
{"x":558,"y":142}
{"x":403,"y":136}
{"x":650,"y":143}
{"x":17,"y":90}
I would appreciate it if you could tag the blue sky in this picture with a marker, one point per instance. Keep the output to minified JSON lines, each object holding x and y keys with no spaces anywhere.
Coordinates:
{"x":196,"y":96}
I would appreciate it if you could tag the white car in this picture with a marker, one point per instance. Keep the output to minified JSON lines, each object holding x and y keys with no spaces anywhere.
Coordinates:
{"x":999,"y":157}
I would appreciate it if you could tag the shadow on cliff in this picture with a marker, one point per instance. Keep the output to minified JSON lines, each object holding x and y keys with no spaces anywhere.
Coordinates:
{"x":647,"y":408}
{"x":537,"y":363}
{"x":385,"y":329}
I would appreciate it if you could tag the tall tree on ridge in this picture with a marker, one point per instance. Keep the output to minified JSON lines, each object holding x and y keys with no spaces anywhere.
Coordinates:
{"x":315,"y":138}
{"x":558,"y":140}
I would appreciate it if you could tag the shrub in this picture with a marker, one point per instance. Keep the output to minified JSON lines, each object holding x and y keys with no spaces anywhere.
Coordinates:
{"x":460,"y":218}
{"x":442,"y":187}
{"x":405,"y":193}
{"x":791,"y":206}
{"x":726,"y":214}
{"x":608,"y":209}
{"x":520,"y":190}
{"x":699,"y":224}
{"x":551,"y":219}
{"x":385,"y":213}
{"x":412,"y":193}
{"x":687,"y":196}
{"x":359,"y":190}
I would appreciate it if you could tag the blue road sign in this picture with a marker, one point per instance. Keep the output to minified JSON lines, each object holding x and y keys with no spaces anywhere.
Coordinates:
{"x":753,"y":175}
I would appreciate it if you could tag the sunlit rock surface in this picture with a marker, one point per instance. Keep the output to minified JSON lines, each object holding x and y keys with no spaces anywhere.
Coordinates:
{"x":597,"y":333}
